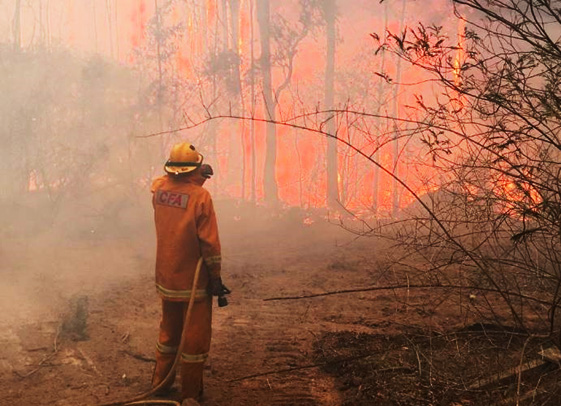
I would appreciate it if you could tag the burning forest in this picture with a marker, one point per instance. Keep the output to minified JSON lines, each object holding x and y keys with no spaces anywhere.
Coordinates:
{"x":377,"y":183}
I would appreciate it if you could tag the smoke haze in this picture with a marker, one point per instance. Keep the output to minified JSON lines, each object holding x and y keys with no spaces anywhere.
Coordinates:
{"x":82,"y":84}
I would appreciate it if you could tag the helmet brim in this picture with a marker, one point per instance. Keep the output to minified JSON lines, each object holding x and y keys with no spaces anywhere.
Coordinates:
{"x":177,"y":169}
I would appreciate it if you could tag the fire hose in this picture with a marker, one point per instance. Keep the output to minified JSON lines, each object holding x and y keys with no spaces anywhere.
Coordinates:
{"x":140,"y":399}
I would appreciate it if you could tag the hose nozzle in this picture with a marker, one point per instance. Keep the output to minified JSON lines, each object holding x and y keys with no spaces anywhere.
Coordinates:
{"x":222,"y":300}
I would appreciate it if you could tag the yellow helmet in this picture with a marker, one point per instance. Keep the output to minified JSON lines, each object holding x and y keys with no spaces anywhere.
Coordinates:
{"x":183,"y":158}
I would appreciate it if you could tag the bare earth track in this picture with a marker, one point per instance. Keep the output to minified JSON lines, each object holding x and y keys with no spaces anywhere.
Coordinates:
{"x":44,"y":362}
{"x":81,"y":318}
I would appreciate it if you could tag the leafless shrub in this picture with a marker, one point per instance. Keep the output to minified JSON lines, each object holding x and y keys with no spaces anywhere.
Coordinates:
{"x":493,"y":132}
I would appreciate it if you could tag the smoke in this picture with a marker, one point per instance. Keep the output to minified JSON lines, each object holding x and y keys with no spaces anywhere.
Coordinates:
{"x":72,"y":202}
{"x":80,"y":84}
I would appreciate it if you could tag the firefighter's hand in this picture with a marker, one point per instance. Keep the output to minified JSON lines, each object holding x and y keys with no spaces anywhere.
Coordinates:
{"x":215,"y":286}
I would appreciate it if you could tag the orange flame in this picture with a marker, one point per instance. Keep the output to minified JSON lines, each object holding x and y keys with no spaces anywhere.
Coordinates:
{"x":460,"y":52}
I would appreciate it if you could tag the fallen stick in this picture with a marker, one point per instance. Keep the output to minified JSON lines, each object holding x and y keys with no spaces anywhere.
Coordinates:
{"x":511,"y":375}
{"x":309,"y":366}
{"x":43,"y":361}
{"x":138,"y":356}
{"x":407,"y":286}
{"x":89,"y":361}
{"x":39,"y":366}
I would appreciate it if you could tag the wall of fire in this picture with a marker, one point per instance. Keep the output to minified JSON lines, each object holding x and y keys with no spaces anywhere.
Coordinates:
{"x":204,"y":54}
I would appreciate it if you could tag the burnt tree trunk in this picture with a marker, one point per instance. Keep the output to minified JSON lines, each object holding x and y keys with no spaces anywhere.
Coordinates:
{"x":395,"y":185}
{"x":17,"y":26}
{"x":376,"y":179}
{"x":252,"y":85}
{"x":332,"y":165}
{"x":270,"y":183}
{"x":237,"y":141}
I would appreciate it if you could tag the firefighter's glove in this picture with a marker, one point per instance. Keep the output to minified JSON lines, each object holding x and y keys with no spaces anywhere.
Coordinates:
{"x":215,"y":286}
{"x":206,"y":171}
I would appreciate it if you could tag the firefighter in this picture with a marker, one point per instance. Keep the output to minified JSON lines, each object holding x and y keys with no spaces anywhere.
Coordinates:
{"x":186,"y":230}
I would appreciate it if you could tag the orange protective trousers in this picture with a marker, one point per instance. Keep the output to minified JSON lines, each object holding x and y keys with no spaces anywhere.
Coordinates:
{"x":195,"y":349}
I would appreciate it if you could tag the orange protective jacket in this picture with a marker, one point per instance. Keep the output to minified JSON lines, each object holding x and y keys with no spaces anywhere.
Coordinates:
{"x":186,"y":229}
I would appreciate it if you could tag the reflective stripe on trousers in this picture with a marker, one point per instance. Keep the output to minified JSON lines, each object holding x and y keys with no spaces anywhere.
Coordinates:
{"x":180,"y":294}
{"x":196,"y":345}
{"x":165,"y":349}
{"x":190,"y":358}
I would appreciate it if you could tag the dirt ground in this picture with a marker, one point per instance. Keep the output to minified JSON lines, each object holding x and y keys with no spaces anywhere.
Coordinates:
{"x":81,"y":318}
{"x":55,"y":289}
